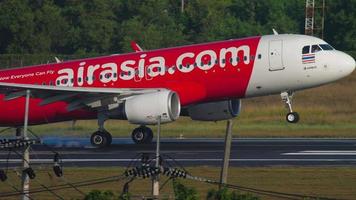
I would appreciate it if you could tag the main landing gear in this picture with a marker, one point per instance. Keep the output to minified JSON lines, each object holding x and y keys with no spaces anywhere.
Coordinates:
{"x":101,"y":138}
{"x":291,"y":117}
{"x":142,"y":135}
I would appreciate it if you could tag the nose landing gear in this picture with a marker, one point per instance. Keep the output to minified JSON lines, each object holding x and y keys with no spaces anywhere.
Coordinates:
{"x":291,"y":117}
{"x":142,"y":135}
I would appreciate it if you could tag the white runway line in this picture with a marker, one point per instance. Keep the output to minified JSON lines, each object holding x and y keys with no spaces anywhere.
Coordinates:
{"x":183,"y":160}
{"x":327,"y":153}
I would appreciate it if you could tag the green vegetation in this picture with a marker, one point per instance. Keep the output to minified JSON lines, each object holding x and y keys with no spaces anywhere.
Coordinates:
{"x":99,"y":195}
{"x":332,"y":182}
{"x":182,"y":192}
{"x":225,"y":194}
{"x":107,"y":26}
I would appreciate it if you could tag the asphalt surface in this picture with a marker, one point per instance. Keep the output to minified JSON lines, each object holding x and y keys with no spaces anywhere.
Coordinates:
{"x":192,"y":152}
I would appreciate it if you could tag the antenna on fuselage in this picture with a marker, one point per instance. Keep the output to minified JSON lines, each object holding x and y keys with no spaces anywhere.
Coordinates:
{"x":274,"y":31}
{"x":57,"y":60}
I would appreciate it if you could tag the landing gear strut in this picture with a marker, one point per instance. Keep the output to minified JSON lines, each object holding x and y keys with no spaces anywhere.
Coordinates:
{"x":291,"y":117}
{"x":101,"y":138}
{"x":142,"y":135}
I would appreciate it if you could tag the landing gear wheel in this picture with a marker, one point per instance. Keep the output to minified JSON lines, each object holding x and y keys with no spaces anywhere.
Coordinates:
{"x":292,"y":117}
{"x":101,"y":139}
{"x":142,"y":135}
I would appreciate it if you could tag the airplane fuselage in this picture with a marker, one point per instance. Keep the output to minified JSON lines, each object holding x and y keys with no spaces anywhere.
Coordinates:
{"x":241,"y":68}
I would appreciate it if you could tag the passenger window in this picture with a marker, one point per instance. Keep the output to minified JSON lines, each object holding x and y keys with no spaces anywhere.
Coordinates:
{"x":259,"y":56}
{"x":315,"y":48}
{"x":305,"y":49}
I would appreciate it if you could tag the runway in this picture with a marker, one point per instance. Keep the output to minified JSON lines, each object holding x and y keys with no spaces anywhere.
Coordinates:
{"x":192,"y":152}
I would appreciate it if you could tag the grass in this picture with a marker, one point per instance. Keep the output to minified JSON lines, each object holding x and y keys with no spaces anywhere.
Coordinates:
{"x":332,"y":182}
{"x":327,"y":111}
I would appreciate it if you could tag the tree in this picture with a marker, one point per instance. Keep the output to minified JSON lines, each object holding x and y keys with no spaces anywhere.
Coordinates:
{"x":50,"y":29}
{"x":225,"y":194}
{"x":152,"y":26}
{"x":16,"y":27}
{"x":91,"y":26}
{"x":182,"y":192}
{"x":99,"y":195}
{"x":94,"y":27}
{"x":340,"y":24}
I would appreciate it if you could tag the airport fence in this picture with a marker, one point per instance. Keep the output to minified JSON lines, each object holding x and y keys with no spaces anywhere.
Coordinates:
{"x":21,"y":60}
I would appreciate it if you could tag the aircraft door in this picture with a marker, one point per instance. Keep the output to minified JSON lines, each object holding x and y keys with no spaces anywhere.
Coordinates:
{"x":275,"y":55}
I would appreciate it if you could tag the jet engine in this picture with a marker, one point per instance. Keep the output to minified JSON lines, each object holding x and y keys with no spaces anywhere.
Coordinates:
{"x":145,"y":108}
{"x":215,"y":111}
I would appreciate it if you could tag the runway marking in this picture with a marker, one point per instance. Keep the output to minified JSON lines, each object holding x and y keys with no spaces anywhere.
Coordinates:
{"x":329,"y":153}
{"x":182,"y":160}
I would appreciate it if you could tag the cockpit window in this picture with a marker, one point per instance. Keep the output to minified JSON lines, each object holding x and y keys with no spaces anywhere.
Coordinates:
{"x":326,"y":47}
{"x":315,"y":48}
{"x":305,"y":49}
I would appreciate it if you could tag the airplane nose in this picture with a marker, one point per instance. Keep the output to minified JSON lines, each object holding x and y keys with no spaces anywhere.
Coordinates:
{"x":346,"y":64}
{"x":350,"y":64}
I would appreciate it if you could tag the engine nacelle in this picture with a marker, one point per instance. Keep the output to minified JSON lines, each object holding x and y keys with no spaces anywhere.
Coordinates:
{"x":215,"y":111}
{"x":145,"y":108}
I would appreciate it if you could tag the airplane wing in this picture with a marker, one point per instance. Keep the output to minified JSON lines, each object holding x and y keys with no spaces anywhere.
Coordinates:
{"x":76,"y":97}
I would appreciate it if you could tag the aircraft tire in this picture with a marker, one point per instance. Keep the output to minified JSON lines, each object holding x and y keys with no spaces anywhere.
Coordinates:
{"x":142,"y":135}
{"x":101,"y":139}
{"x":292,"y":117}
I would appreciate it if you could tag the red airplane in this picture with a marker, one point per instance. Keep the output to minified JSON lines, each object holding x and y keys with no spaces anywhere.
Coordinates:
{"x":203,"y":81}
